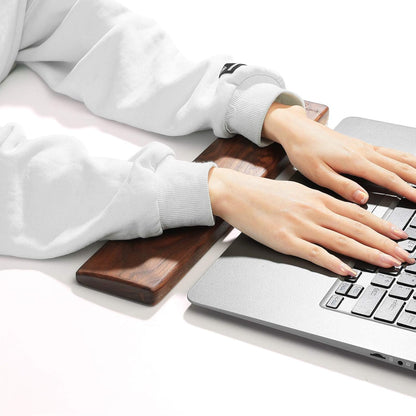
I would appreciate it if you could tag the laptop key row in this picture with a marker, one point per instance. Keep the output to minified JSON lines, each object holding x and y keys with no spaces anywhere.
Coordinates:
{"x":388,"y":296}
{"x":402,"y":214}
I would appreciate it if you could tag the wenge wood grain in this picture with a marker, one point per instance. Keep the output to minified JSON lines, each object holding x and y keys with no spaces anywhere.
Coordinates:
{"x":145,"y":270}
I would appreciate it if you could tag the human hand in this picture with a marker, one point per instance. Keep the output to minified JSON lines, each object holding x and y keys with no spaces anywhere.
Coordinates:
{"x":322,"y":154}
{"x":294,"y":219}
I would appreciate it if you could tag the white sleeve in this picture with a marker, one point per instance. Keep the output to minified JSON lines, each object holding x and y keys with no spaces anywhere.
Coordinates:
{"x":55,"y":198}
{"x":126,"y":68}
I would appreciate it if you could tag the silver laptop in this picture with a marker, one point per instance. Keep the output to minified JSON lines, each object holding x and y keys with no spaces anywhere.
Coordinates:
{"x":373,"y":315}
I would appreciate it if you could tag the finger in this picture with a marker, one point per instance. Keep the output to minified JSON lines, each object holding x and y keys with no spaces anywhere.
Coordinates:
{"x":318,"y":255}
{"x":386,"y":178}
{"x":357,"y":213}
{"x":365,"y":235}
{"x":344,"y":187}
{"x":402,"y":157}
{"x":405,"y":171}
{"x":348,"y":246}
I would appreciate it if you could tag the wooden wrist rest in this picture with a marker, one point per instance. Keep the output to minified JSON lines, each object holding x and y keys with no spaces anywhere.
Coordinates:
{"x":145,"y":270}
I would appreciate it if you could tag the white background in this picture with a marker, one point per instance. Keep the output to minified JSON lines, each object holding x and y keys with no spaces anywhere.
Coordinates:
{"x":68,"y":350}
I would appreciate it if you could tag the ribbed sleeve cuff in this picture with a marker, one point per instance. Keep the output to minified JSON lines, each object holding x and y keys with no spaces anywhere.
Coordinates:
{"x":249,"y":105}
{"x":183,"y":195}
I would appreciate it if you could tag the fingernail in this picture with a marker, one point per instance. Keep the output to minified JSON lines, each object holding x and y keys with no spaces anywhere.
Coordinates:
{"x":410,"y":260}
{"x":360,"y":196}
{"x":403,"y":254}
{"x":391,"y":261}
{"x":398,"y":232}
{"x":345,"y":269}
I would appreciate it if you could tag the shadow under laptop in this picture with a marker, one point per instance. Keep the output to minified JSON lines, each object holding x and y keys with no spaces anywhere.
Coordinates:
{"x":322,"y":355}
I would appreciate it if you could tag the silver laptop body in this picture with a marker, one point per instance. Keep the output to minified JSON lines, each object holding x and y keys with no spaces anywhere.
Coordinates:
{"x":255,"y":283}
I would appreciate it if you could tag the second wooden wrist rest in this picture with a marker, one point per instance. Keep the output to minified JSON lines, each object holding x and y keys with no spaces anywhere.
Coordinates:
{"x":145,"y":270}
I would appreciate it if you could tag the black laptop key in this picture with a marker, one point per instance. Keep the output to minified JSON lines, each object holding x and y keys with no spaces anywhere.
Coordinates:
{"x":393,"y":271}
{"x":408,"y":245}
{"x":369,"y":301}
{"x":365,"y":267}
{"x":407,"y":320}
{"x":402,"y":214}
{"x":334,"y":301}
{"x":382,"y":280}
{"x":389,"y":310}
{"x":407,"y":279}
{"x":400,"y":292}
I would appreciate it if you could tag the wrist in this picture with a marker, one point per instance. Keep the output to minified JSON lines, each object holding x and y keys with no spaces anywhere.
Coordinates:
{"x":219,"y":187}
{"x":282,"y":122}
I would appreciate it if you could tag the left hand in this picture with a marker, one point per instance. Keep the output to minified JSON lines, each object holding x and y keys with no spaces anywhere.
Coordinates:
{"x":322,"y":154}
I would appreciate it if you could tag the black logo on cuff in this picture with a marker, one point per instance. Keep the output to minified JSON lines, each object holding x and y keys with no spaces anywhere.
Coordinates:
{"x":229,"y":68}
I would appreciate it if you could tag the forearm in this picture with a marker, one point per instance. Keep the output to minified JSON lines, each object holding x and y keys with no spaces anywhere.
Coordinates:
{"x":125,"y":67}
{"x":56,"y":198}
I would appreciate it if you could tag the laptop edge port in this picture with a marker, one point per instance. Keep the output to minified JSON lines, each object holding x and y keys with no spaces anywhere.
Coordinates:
{"x":378,"y":355}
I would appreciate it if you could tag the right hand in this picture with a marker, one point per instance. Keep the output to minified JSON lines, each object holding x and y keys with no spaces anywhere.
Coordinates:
{"x":296,"y":220}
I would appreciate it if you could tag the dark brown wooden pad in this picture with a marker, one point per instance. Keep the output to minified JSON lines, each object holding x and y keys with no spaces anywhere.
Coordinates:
{"x":145,"y":270}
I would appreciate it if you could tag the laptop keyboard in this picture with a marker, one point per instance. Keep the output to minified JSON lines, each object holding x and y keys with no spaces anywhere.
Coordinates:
{"x":386,"y":296}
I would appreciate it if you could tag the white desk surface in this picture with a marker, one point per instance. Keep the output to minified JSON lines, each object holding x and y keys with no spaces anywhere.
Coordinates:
{"x":69,"y":350}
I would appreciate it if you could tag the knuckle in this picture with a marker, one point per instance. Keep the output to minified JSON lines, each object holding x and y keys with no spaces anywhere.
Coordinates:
{"x":392,"y":177}
{"x":316,"y":164}
{"x":362,"y":215}
{"x":374,"y":255}
{"x":385,"y":225}
{"x":321,"y":213}
{"x":341,"y":242}
{"x":283,"y":235}
{"x":322,"y":175}
{"x":359,"y":214}
{"x":321,"y":197}
{"x":406,"y":169}
{"x":315,"y":253}
{"x":386,"y":245}
{"x":357,"y":158}
{"x":320,"y":210}
{"x":290,"y":215}
{"x":303,"y":205}
{"x":329,"y":203}
{"x":360,"y":165}
{"x":310,"y":210}
{"x":406,"y":157}
{"x":359,"y":229}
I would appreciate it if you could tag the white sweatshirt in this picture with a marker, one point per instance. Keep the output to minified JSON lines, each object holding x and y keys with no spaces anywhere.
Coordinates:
{"x":54,"y":197}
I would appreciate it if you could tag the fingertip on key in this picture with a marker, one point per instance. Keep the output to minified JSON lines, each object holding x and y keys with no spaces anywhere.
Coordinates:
{"x":398,"y":232}
{"x":347,"y":270}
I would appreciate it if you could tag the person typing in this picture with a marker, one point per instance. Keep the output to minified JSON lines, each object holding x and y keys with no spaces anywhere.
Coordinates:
{"x":56,"y":198}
